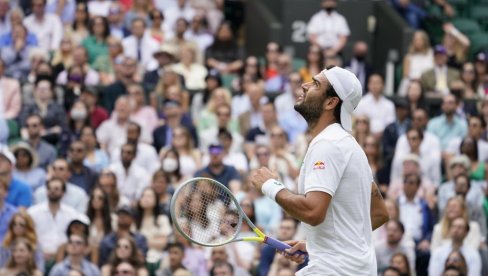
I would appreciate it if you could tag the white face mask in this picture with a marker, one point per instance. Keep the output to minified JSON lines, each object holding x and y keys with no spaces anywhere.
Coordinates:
{"x":170,"y":165}
{"x":78,"y":114}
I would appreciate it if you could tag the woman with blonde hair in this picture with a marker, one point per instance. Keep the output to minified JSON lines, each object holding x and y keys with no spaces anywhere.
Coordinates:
{"x":21,"y":262}
{"x":455,"y":208}
{"x":21,"y":226}
{"x":372,"y":148}
{"x":193,"y":72}
{"x":208,"y":117}
{"x":456,"y":44}
{"x":361,"y":129}
{"x":63,"y":56}
{"x":419,"y":59}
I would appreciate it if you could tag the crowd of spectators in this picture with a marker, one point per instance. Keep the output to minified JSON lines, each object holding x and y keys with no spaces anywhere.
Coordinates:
{"x":107,"y":106}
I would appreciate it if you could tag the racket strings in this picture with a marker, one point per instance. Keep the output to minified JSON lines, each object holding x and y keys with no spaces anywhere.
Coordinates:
{"x":208,"y":212}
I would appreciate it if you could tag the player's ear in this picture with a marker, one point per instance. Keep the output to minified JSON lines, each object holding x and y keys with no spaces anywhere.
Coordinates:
{"x":330,"y":103}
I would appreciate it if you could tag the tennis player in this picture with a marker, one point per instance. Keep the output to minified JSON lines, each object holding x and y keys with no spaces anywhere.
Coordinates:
{"x":337,"y":200}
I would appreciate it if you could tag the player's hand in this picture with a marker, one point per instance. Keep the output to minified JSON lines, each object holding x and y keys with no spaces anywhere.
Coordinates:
{"x":293,"y":254}
{"x":262,"y":175}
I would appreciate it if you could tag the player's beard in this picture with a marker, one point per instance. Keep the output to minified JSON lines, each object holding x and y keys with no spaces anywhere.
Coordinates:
{"x":311,"y":110}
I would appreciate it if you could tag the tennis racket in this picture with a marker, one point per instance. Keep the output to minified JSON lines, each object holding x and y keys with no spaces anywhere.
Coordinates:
{"x":205,"y":212}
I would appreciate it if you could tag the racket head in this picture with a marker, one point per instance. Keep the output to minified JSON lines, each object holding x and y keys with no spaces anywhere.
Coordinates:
{"x":206,"y":212}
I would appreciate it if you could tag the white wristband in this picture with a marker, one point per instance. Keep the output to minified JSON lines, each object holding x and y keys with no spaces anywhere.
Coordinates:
{"x":271,"y":187}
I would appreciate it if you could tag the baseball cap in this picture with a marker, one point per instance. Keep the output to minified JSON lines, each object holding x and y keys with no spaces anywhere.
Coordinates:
{"x":460,"y":160}
{"x":348,"y":88}
{"x":7,"y":154}
{"x":215,"y":149}
{"x":125,"y":210}
{"x":400,"y":103}
{"x":90,"y":90}
{"x":440,"y":49}
{"x":166,"y":49}
{"x":481,"y":56}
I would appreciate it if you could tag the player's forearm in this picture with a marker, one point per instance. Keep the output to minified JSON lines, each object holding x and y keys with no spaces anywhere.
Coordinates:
{"x":299,"y":207}
{"x":379,"y":213}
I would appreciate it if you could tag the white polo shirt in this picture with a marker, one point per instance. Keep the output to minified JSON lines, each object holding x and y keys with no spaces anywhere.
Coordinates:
{"x":342,"y":244}
{"x":51,"y":230}
{"x":328,"y":28}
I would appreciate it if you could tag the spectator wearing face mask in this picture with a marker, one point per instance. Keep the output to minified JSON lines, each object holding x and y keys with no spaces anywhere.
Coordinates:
{"x":171,"y":167}
{"x":327,"y":28}
{"x":358,"y":64}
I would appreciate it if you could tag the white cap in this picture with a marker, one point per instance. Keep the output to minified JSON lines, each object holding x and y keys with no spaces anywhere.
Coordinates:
{"x":5,"y":152}
{"x":348,"y":88}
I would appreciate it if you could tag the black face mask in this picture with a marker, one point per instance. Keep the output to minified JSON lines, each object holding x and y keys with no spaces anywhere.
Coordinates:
{"x":360,"y":58}
{"x":329,"y":9}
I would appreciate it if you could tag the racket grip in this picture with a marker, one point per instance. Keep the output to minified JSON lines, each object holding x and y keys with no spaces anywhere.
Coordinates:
{"x":281,"y":246}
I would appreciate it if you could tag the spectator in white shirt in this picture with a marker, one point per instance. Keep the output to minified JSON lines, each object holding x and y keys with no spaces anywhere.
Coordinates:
{"x":112,"y":133}
{"x":141,"y":46}
{"x":131,"y":178}
{"x":199,"y":33}
{"x":52,"y":218}
{"x":430,"y":145}
{"x":328,"y":28}
{"x":99,"y":7}
{"x":458,"y":231}
{"x":194,"y":73}
{"x":394,"y":243}
{"x":182,"y":10}
{"x":74,"y":196}
{"x":146,"y":155}
{"x":47,"y":27}
{"x":430,"y":165}
{"x":379,"y":109}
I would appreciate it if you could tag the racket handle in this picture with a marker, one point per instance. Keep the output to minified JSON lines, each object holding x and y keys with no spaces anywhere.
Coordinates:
{"x":281,"y":246}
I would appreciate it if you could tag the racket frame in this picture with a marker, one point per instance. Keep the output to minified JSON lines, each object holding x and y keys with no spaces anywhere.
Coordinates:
{"x":261,"y":237}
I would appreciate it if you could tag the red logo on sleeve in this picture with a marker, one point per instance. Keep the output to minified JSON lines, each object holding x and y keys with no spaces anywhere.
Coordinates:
{"x":319,"y":165}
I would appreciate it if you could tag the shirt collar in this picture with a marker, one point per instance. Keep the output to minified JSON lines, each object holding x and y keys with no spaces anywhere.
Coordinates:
{"x":402,"y":199}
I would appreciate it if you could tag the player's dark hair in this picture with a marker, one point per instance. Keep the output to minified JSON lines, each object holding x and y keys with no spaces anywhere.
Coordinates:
{"x":330,"y":92}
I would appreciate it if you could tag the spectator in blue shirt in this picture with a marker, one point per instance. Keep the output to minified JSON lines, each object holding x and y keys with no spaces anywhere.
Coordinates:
{"x":124,"y":223}
{"x":77,"y":245}
{"x":19,"y":193}
{"x":227,"y":175}
{"x":448,"y":126}
{"x":6,"y":210}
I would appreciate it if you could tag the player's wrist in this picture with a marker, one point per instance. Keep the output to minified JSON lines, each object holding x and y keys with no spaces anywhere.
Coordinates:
{"x":271,"y":188}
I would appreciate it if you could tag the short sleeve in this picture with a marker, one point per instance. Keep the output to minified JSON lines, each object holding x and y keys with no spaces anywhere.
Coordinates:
{"x":344,"y":27}
{"x":325,"y":167}
{"x":312,"y":27}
